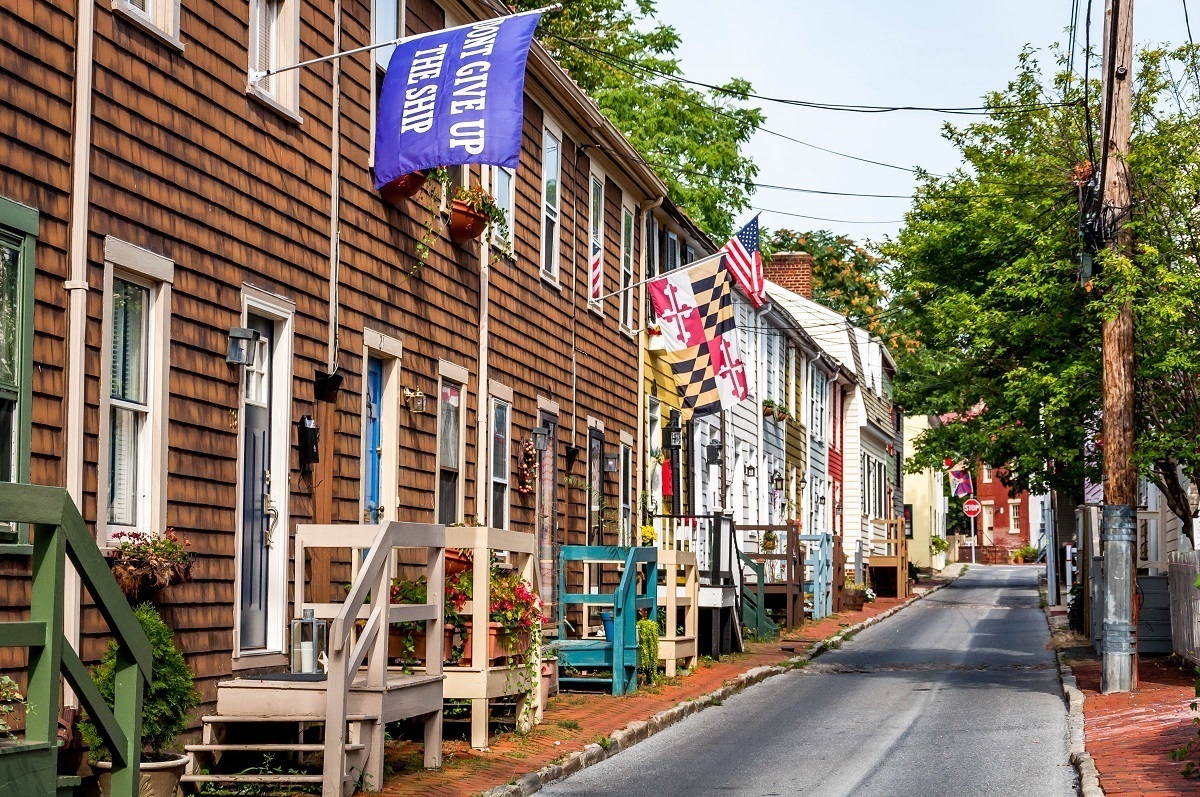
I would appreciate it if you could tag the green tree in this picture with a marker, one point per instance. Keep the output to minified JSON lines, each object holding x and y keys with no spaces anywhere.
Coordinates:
{"x":847,"y":276}
{"x":693,"y":138}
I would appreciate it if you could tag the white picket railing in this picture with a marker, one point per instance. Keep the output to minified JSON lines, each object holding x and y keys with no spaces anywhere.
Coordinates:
{"x":1183,"y":567}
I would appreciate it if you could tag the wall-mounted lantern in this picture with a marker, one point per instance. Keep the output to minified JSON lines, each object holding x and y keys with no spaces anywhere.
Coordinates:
{"x":803,"y":480}
{"x":713,"y":452}
{"x":416,"y":400}
{"x":241,"y":346}
{"x":777,"y":481}
{"x":751,"y":471}
{"x":612,"y":464}
{"x":541,"y":438}
{"x":672,"y":437}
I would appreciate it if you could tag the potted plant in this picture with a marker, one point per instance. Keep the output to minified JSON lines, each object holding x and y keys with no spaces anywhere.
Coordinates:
{"x":167,"y":702}
{"x":768,"y":407}
{"x":144,"y":564}
{"x":472,"y":212}
{"x":856,"y":595}
{"x":402,"y":188}
{"x":407,"y":641}
{"x":648,"y":535}
{"x":513,"y":615}
{"x":781,"y":413}
{"x":770,"y":540}
{"x":10,"y":698}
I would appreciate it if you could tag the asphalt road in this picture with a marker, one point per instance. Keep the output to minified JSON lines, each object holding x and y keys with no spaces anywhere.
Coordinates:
{"x":956,"y":695}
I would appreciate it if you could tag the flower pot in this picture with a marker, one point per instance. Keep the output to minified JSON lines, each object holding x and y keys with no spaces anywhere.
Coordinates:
{"x":780,"y":414}
{"x":549,"y":678}
{"x":768,"y":411}
{"x":466,"y":224}
{"x":158,"y":778}
{"x":457,"y":561}
{"x":402,"y":188}
{"x":396,"y":647}
{"x":855,"y":599}
{"x":501,"y":647}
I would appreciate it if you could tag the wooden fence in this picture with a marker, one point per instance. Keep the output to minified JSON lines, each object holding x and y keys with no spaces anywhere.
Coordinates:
{"x":1182,"y":571}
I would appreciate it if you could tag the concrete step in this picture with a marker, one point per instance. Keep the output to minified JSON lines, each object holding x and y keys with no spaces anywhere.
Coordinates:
{"x":214,"y":719}
{"x":241,"y":778}
{"x":265,"y":748}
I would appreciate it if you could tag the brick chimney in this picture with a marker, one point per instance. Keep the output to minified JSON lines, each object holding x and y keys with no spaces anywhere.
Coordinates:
{"x":791,"y":270}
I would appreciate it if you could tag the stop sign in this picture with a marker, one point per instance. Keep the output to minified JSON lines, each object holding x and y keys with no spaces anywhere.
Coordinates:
{"x":972,"y":507}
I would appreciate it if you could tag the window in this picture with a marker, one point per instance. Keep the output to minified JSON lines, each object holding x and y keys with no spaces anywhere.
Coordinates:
{"x":504,"y":189}
{"x":626,"y":466}
{"x":626,"y":268}
{"x":389,"y":22}
{"x":874,"y":486}
{"x":672,"y":252}
{"x":596,"y":247}
{"x":128,"y":401}
{"x":159,"y":17}
{"x":274,"y":42}
{"x":449,"y":452}
{"x":1014,"y":517}
{"x":501,"y":455}
{"x":551,"y":169}
{"x":595,"y":497}
{"x":133,"y":432}
{"x":987,"y":474}
{"x":817,"y":385}
{"x":18,"y":231}
{"x":689,"y":256}
{"x":649,"y":246}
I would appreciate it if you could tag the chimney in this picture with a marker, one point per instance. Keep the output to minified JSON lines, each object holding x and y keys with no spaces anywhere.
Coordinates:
{"x":792,"y":271}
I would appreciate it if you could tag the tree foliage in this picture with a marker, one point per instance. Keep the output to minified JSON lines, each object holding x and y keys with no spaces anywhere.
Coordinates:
{"x":693,"y":138}
{"x":847,"y":277}
{"x":987,"y":277}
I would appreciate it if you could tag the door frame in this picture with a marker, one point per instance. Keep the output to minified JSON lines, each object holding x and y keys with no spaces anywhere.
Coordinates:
{"x":281,"y":311}
{"x":389,"y":351}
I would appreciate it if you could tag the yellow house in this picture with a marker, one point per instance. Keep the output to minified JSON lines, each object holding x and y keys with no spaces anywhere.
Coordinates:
{"x":925,"y":505}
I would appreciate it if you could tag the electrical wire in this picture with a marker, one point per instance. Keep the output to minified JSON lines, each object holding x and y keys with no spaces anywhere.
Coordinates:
{"x":822,"y":218}
{"x":970,"y":110}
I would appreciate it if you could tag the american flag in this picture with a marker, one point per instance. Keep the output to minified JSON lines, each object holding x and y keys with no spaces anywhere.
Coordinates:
{"x":745,"y":262}
{"x":597,"y":274}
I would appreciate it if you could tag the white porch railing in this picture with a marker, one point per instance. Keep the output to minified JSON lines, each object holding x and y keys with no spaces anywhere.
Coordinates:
{"x":1182,"y":570}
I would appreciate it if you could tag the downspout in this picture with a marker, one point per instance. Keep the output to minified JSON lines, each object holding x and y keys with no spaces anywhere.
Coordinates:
{"x":335,"y":193}
{"x":484,"y":420}
{"x":574,"y":304}
{"x":645,"y":208}
{"x":77,"y":296}
{"x":759,"y":429}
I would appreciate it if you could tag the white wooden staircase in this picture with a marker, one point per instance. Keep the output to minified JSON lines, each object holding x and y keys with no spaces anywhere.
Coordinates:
{"x":342,"y":717}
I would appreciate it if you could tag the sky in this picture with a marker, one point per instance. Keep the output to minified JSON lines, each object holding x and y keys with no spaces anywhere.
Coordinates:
{"x":873,"y":52}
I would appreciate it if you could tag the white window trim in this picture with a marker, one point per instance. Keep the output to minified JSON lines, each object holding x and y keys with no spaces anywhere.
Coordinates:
{"x":376,"y":72}
{"x":283,"y":96}
{"x":157,"y":273}
{"x":458,"y":375}
{"x":672,"y":237}
{"x":389,"y":351}
{"x":282,"y":311}
{"x":498,"y":398}
{"x":554,"y":274}
{"x":596,"y":176}
{"x":625,"y":490}
{"x":162,"y":21}
{"x":494,"y":182}
{"x":628,"y":308}
{"x":1014,"y":528}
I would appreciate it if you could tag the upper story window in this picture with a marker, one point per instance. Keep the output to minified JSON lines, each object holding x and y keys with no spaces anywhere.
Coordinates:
{"x":596,"y":245}
{"x":133,"y":409}
{"x":275,"y":42}
{"x":504,"y":188}
{"x":627,"y":268}
{"x":389,"y":26}
{"x":672,"y":260}
{"x":817,"y":385}
{"x":158,"y":17}
{"x":18,"y":235}
{"x":551,"y":176}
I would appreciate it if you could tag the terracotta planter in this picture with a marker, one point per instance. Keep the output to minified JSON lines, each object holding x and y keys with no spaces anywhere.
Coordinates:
{"x":768,"y":411}
{"x":457,"y":561}
{"x":396,"y":647}
{"x":549,"y":678}
{"x":781,"y":415}
{"x":158,"y":778}
{"x":402,"y":188}
{"x":500,"y":648}
{"x":465,"y":224}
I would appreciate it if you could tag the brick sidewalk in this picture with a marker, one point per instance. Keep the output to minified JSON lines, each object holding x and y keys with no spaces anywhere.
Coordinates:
{"x":573,"y":720}
{"x":1129,"y":736}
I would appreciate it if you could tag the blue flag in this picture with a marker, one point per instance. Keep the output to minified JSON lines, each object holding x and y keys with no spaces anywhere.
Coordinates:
{"x":454,"y":97}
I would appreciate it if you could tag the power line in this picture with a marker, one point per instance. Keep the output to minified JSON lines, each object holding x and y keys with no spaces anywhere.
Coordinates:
{"x":970,"y":110}
{"x":821,"y":218}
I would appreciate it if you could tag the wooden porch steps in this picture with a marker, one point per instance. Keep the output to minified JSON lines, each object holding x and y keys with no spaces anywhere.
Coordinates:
{"x":243,"y":778}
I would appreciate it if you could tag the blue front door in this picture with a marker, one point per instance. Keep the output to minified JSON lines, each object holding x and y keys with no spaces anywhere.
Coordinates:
{"x":372,"y":511}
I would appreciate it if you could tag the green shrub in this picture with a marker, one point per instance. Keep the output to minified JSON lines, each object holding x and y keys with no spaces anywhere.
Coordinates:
{"x":166,"y":701}
{"x":647,"y":631}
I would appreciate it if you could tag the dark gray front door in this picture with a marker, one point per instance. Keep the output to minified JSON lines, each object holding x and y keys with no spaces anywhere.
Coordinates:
{"x":258,"y":512}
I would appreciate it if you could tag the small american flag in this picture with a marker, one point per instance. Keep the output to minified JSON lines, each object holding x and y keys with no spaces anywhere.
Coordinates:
{"x":745,"y":262}
{"x":597,"y":273}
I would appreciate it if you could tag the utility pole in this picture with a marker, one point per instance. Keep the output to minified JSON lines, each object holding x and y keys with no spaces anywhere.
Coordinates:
{"x":1119,"y":662}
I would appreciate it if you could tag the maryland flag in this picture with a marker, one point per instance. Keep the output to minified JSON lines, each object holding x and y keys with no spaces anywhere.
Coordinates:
{"x":695,"y":313}
{"x":960,"y":480}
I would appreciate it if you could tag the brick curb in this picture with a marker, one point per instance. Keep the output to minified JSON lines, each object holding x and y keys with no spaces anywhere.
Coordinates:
{"x":1085,"y":765}
{"x":640,"y":730}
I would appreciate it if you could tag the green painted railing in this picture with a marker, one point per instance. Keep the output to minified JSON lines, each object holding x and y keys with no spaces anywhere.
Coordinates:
{"x":29,"y":767}
{"x":754,"y":601}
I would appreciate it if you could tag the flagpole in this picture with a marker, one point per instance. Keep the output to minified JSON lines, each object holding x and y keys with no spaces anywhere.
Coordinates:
{"x":630,"y":287}
{"x":256,"y":76}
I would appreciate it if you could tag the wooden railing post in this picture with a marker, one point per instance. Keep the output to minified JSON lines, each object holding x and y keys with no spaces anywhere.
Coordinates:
{"x":46,"y":606}
{"x":127,"y":700}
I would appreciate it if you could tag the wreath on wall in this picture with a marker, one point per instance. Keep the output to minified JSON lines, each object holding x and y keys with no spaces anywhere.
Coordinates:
{"x":527,"y":469}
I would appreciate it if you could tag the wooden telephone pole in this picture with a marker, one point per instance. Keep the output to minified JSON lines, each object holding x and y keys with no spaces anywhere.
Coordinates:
{"x":1118,"y":668}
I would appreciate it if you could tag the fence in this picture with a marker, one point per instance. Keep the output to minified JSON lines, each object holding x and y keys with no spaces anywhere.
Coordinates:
{"x":1182,"y":571}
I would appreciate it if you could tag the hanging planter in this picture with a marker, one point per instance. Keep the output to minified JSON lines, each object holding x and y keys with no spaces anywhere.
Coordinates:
{"x":402,"y":188}
{"x":781,"y":414}
{"x":768,"y":408}
{"x":466,"y":224}
{"x":473,"y":211}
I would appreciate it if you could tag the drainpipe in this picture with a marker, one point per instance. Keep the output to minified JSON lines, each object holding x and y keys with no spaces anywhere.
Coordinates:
{"x":335,"y":192}
{"x":484,"y":416}
{"x":77,"y":296}
{"x":759,"y":426}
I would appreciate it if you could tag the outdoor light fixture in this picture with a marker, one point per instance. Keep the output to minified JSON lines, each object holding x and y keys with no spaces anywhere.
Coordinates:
{"x":751,"y":471}
{"x":821,"y":500}
{"x":672,"y":437}
{"x":777,"y":480}
{"x":416,"y":400}
{"x":241,"y":346}
{"x":712,"y":454}
{"x":803,"y":480}
{"x":541,"y":438}
{"x":612,"y":463}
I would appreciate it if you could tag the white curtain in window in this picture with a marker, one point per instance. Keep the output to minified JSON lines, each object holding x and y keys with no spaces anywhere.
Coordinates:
{"x":123,"y":467}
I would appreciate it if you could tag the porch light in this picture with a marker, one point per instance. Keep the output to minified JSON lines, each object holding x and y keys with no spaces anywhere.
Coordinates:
{"x":713,"y":454}
{"x":777,"y":480}
{"x":751,"y":471}
{"x":672,"y":437}
{"x":416,"y":400}
{"x":612,"y":463}
{"x":240,"y":350}
{"x":541,"y":438}
{"x":803,"y":480}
